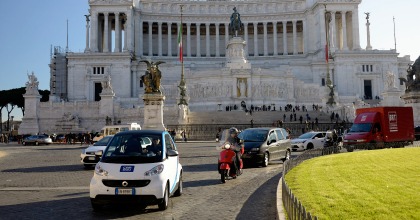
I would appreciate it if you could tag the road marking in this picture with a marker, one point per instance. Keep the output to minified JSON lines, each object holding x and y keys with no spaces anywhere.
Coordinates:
{"x":44,"y":188}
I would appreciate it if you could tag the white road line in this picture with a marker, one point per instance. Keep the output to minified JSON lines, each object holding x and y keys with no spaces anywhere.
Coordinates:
{"x":44,"y":188}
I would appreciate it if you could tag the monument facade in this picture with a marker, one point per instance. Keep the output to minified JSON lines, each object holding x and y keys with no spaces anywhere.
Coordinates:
{"x":257,"y":52}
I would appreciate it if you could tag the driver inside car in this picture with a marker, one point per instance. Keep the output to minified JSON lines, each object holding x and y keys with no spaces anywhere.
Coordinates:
{"x":155,"y":147}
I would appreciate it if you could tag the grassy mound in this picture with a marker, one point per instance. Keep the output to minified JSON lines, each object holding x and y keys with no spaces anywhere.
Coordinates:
{"x":378,"y":184}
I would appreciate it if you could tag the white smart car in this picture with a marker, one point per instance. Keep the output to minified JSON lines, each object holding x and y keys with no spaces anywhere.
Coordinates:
{"x":130,"y":172}
{"x":309,"y":140}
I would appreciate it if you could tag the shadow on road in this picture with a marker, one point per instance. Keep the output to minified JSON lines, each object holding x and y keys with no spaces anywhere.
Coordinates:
{"x":263,"y":200}
{"x":200,"y":183}
{"x":60,"y":168}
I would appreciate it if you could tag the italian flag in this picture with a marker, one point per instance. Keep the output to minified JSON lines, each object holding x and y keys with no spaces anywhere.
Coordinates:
{"x":181,"y":59}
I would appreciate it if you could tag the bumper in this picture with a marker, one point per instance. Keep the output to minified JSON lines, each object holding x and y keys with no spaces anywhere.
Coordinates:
{"x":298,"y":147}
{"x":149,"y":194}
{"x":89,"y":159}
{"x":253,"y":157}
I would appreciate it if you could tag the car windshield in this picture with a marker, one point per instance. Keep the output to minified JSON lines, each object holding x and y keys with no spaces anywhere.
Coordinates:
{"x":253,"y":135}
{"x":103,"y":142}
{"x":132,"y":148}
{"x":306,"y":136}
{"x":360,"y":127}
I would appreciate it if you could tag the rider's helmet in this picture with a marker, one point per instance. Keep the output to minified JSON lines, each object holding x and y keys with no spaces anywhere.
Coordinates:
{"x":233,"y":130}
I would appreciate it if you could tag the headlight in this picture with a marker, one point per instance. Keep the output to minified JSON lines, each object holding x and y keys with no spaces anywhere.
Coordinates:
{"x":99,"y":171}
{"x":361,"y":140}
{"x":255,"y":149}
{"x":227,"y":146}
{"x":155,"y":170}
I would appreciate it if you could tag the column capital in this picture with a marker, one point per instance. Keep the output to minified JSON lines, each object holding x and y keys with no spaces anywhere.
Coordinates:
{"x":188,"y":24}
{"x":274,"y":22}
{"x":294,"y":22}
{"x":284,"y":22}
{"x":265,"y":23}
{"x":159,"y":23}
{"x":217,"y":24}
{"x":150,"y":22}
{"x":255,"y":23}
{"x":207,"y":24}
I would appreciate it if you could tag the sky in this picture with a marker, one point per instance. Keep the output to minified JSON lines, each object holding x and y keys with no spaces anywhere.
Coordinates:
{"x":30,"y":27}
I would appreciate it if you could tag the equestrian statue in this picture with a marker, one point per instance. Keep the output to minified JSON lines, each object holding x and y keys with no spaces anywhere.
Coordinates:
{"x":235,"y":23}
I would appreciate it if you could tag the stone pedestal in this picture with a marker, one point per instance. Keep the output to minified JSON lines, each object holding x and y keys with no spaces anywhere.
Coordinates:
{"x":391,"y":97}
{"x":30,"y":123}
{"x":107,"y":104}
{"x":235,"y":54}
{"x":153,"y":111}
{"x":413,"y":99}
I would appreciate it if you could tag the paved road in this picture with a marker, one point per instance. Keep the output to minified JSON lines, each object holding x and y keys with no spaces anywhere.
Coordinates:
{"x":48,"y":182}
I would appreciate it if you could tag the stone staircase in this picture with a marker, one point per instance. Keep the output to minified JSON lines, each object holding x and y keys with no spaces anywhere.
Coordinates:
{"x":258,"y":117}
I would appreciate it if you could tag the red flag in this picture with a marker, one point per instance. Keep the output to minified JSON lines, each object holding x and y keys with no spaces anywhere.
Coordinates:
{"x":181,"y":58}
{"x":326,"y":53}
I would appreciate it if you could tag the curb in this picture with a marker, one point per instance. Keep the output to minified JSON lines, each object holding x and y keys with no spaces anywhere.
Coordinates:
{"x":279,"y":203}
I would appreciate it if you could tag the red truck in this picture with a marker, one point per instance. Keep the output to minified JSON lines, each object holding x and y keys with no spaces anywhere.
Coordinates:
{"x":380,"y":127}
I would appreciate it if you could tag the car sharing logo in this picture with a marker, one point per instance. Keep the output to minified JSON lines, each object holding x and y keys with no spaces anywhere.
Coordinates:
{"x":127,"y":169}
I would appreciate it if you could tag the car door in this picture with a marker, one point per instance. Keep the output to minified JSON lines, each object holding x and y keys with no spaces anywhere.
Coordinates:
{"x":273,"y":145}
{"x":171,"y":163}
{"x":283,"y":141}
{"x":319,"y":139}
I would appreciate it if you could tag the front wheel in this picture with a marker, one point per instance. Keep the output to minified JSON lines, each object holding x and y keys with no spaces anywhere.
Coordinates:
{"x":163,"y":205}
{"x":266,"y":159}
{"x":178,"y":192}
{"x":287,"y":156}
{"x":96,"y":207}
{"x":223,"y":174}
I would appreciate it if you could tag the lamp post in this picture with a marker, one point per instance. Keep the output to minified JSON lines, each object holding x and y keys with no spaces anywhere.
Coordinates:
{"x":12,"y":123}
{"x":329,"y":83}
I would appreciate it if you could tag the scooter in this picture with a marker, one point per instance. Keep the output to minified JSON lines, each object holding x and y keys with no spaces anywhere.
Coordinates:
{"x":226,"y":160}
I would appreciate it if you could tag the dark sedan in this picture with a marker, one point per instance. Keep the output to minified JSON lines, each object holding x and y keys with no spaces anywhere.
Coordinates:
{"x":265,"y":144}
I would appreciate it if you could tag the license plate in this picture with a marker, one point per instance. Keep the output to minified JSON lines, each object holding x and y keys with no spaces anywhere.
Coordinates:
{"x":125,"y":191}
{"x":127,"y":169}
{"x":91,"y":158}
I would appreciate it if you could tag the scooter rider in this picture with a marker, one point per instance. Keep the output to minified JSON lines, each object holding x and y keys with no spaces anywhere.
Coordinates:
{"x":236,"y":143}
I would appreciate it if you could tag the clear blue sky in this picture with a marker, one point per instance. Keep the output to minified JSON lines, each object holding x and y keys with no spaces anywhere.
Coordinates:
{"x":30,"y":27}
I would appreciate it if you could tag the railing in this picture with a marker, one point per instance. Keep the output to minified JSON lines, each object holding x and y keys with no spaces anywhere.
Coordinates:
{"x":292,"y":205}
{"x":208,"y":131}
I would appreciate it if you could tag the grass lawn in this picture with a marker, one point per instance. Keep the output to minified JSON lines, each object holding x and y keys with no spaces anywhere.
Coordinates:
{"x":374,"y":184}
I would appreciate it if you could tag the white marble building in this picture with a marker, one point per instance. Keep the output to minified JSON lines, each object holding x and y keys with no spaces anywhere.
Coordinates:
{"x":282,"y":60}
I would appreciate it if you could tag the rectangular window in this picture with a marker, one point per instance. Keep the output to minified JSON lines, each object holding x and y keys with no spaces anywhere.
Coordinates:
{"x":323,"y":81}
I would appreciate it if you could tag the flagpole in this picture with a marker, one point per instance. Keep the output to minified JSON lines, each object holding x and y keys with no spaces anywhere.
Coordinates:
{"x":395,"y":37}
{"x":329,"y":83}
{"x":182,"y":86}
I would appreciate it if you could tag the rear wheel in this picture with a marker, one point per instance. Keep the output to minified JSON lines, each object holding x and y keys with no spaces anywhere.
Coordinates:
{"x":163,"y":205}
{"x":223,"y":175}
{"x":96,"y":207}
{"x":266,"y":159}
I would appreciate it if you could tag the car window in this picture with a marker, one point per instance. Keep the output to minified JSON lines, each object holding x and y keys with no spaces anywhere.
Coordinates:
{"x":103,"y":142}
{"x":168,"y":143}
{"x":285,"y":133}
{"x":272,"y":136}
{"x":253,"y":135}
{"x":280,"y":135}
{"x":129,"y":148}
{"x":319,"y":135}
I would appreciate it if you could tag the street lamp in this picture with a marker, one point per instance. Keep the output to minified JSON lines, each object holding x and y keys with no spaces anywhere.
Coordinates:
{"x":12,"y":123}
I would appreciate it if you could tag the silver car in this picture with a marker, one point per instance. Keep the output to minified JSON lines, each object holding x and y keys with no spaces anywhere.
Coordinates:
{"x":37,"y":140}
{"x":88,"y":157}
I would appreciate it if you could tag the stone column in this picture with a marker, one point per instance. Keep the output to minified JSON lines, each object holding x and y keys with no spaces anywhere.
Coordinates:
{"x":87,"y":49}
{"x":217,"y":40}
{"x":160,"y":39}
{"x":255,"y":39}
{"x":344,"y":24}
{"x":368,"y":46}
{"x":284,"y":37}
{"x":188,"y":39}
{"x":246,"y":38}
{"x":141,"y":40}
{"x":126,"y":33}
{"x":198,"y":40}
{"x":117,"y":33}
{"x":226,"y":36}
{"x":305,"y":37}
{"x":106,"y":32}
{"x":169,"y":39}
{"x":94,"y":32}
{"x":150,"y":39}
{"x":334,"y":32}
{"x":294,"y":37}
{"x":265,"y":39}
{"x":355,"y":28}
{"x":275,"y":44}
{"x":129,"y":36}
{"x":207,"y":39}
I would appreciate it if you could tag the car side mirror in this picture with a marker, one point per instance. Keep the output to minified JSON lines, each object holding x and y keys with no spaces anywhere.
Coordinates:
{"x":99,"y":153}
{"x":172,"y":153}
{"x":241,"y":141}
